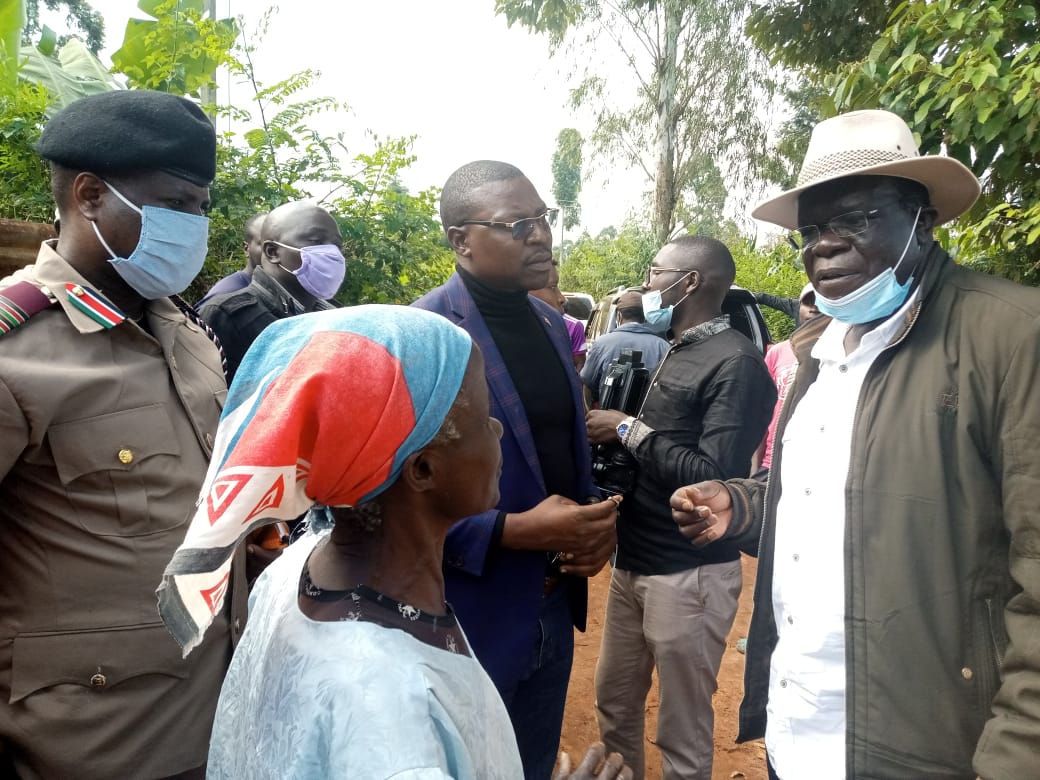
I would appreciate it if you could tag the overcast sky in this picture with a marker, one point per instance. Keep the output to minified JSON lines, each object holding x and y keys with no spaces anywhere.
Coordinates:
{"x":450,"y":72}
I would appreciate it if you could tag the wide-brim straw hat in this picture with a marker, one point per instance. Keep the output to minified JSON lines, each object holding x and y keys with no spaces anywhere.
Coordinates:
{"x":873,"y":143}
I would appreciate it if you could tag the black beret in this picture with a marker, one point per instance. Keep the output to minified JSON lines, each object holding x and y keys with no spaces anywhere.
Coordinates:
{"x":127,"y":130}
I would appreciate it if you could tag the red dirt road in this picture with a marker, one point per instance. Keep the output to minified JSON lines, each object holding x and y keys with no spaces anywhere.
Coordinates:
{"x":732,"y":761}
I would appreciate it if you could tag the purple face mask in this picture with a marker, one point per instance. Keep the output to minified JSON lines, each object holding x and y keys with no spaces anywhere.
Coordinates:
{"x":322,"y":269}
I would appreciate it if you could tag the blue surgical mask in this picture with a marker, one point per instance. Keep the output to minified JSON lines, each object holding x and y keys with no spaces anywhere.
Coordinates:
{"x":169,"y":253}
{"x":875,"y":300}
{"x":657,"y":319}
{"x":322,"y":269}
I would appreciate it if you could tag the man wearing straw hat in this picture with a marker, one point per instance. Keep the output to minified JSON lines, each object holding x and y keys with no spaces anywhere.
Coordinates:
{"x":896,"y":630}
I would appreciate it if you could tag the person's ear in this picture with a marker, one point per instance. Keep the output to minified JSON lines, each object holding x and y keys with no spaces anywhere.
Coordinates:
{"x":926,"y":221}
{"x":269,"y":249}
{"x":458,"y":239}
{"x":693,"y":281}
{"x":88,"y":195}
{"x":419,"y":471}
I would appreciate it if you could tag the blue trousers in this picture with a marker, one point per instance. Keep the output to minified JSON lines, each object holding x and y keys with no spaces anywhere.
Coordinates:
{"x":535,"y":704}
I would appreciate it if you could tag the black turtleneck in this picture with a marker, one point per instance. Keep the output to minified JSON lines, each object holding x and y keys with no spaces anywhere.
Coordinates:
{"x":539,"y":377}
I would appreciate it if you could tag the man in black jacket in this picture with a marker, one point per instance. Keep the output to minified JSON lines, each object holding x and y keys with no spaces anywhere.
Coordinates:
{"x":671,"y":604}
{"x":301,"y":269}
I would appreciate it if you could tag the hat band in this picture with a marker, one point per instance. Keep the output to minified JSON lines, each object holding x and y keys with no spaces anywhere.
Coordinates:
{"x":831,"y":165}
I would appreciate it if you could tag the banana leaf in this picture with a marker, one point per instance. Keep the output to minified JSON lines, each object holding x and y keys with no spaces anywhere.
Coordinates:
{"x":12,"y":19}
{"x":73,"y":74}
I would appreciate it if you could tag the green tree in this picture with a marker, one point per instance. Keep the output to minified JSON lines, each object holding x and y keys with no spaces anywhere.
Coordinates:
{"x":395,"y":248}
{"x":80,"y":16}
{"x":815,"y":37}
{"x":597,"y":265}
{"x":566,"y":171}
{"x":25,"y":191}
{"x":68,"y":72}
{"x":966,"y":78}
{"x":784,"y":161}
{"x":693,"y":104}
{"x":774,"y":270}
{"x":12,"y":20}
{"x":178,"y":51}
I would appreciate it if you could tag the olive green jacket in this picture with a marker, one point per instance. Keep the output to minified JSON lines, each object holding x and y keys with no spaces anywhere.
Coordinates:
{"x":942,"y":539}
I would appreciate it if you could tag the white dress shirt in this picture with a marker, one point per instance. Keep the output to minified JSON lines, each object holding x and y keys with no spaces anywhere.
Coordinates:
{"x":805,"y":731}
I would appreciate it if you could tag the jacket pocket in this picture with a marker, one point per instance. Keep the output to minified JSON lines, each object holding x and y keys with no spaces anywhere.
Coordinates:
{"x":98,"y":659}
{"x":107,"y":465}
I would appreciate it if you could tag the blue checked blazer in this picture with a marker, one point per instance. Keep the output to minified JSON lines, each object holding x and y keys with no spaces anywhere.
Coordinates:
{"x":497,"y":592}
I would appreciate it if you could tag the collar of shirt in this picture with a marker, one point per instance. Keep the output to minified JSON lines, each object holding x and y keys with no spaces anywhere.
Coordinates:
{"x":635,"y":327}
{"x":704,"y":330}
{"x":53,"y":272}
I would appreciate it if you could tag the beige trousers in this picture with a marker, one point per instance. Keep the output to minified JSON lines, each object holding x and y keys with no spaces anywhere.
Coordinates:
{"x":677,"y":623}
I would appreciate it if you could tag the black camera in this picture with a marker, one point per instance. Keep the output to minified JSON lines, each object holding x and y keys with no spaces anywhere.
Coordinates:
{"x":613,"y":467}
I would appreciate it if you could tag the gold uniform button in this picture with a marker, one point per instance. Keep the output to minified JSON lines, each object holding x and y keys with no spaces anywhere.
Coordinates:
{"x":77,"y":291}
{"x":126,"y":456}
{"x":98,"y":681}
{"x":967,"y":673}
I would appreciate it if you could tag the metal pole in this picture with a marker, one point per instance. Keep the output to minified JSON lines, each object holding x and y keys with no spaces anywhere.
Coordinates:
{"x":209,"y":92}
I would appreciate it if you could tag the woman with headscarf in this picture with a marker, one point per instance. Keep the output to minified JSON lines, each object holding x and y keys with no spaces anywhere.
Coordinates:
{"x":352,"y":664}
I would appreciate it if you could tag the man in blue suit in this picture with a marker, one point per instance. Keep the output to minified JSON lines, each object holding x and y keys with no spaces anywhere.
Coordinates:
{"x":515,"y":576}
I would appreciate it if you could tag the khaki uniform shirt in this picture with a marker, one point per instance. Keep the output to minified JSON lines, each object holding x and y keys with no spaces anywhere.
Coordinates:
{"x":105,"y":437}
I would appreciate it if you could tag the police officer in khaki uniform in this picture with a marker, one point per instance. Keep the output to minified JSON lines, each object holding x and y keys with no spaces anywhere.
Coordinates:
{"x":109,"y":400}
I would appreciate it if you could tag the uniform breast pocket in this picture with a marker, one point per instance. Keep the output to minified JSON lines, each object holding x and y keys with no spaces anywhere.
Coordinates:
{"x":114,"y":466}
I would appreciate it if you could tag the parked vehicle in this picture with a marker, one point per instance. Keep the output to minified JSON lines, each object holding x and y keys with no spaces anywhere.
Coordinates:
{"x":744,"y":315}
{"x":579,"y":305}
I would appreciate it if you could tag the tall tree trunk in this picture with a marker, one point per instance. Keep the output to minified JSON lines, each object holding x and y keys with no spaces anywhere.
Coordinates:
{"x":664,"y":179}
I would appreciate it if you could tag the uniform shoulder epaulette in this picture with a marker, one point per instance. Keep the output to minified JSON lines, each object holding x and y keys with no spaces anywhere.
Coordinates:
{"x":19,"y":302}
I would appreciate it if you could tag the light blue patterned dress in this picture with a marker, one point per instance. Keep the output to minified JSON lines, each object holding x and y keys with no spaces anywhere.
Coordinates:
{"x":350,"y":699}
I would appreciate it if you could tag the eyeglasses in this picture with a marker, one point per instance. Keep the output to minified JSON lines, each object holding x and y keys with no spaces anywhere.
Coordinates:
{"x":844,"y":225}
{"x":521,"y":228}
{"x":657,"y":269}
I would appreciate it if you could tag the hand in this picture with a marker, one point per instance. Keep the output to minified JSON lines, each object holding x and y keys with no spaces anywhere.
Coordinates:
{"x":559,"y":524}
{"x":602,"y":425}
{"x":592,"y":561}
{"x":259,"y":555}
{"x":613,"y":767}
{"x":703,"y":511}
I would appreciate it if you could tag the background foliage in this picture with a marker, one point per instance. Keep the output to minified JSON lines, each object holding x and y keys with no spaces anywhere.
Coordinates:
{"x":694,"y":126}
{"x":967,"y":78}
{"x":566,"y":172}
{"x":392,"y":240}
{"x":25,"y":191}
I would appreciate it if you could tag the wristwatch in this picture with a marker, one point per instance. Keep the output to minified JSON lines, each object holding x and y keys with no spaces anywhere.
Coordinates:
{"x":623,"y":428}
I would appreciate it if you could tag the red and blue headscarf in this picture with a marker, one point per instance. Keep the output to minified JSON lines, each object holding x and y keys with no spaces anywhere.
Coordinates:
{"x":324,"y":409}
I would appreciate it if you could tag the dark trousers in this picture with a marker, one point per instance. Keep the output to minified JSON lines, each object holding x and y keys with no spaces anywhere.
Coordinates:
{"x":536,"y":703}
